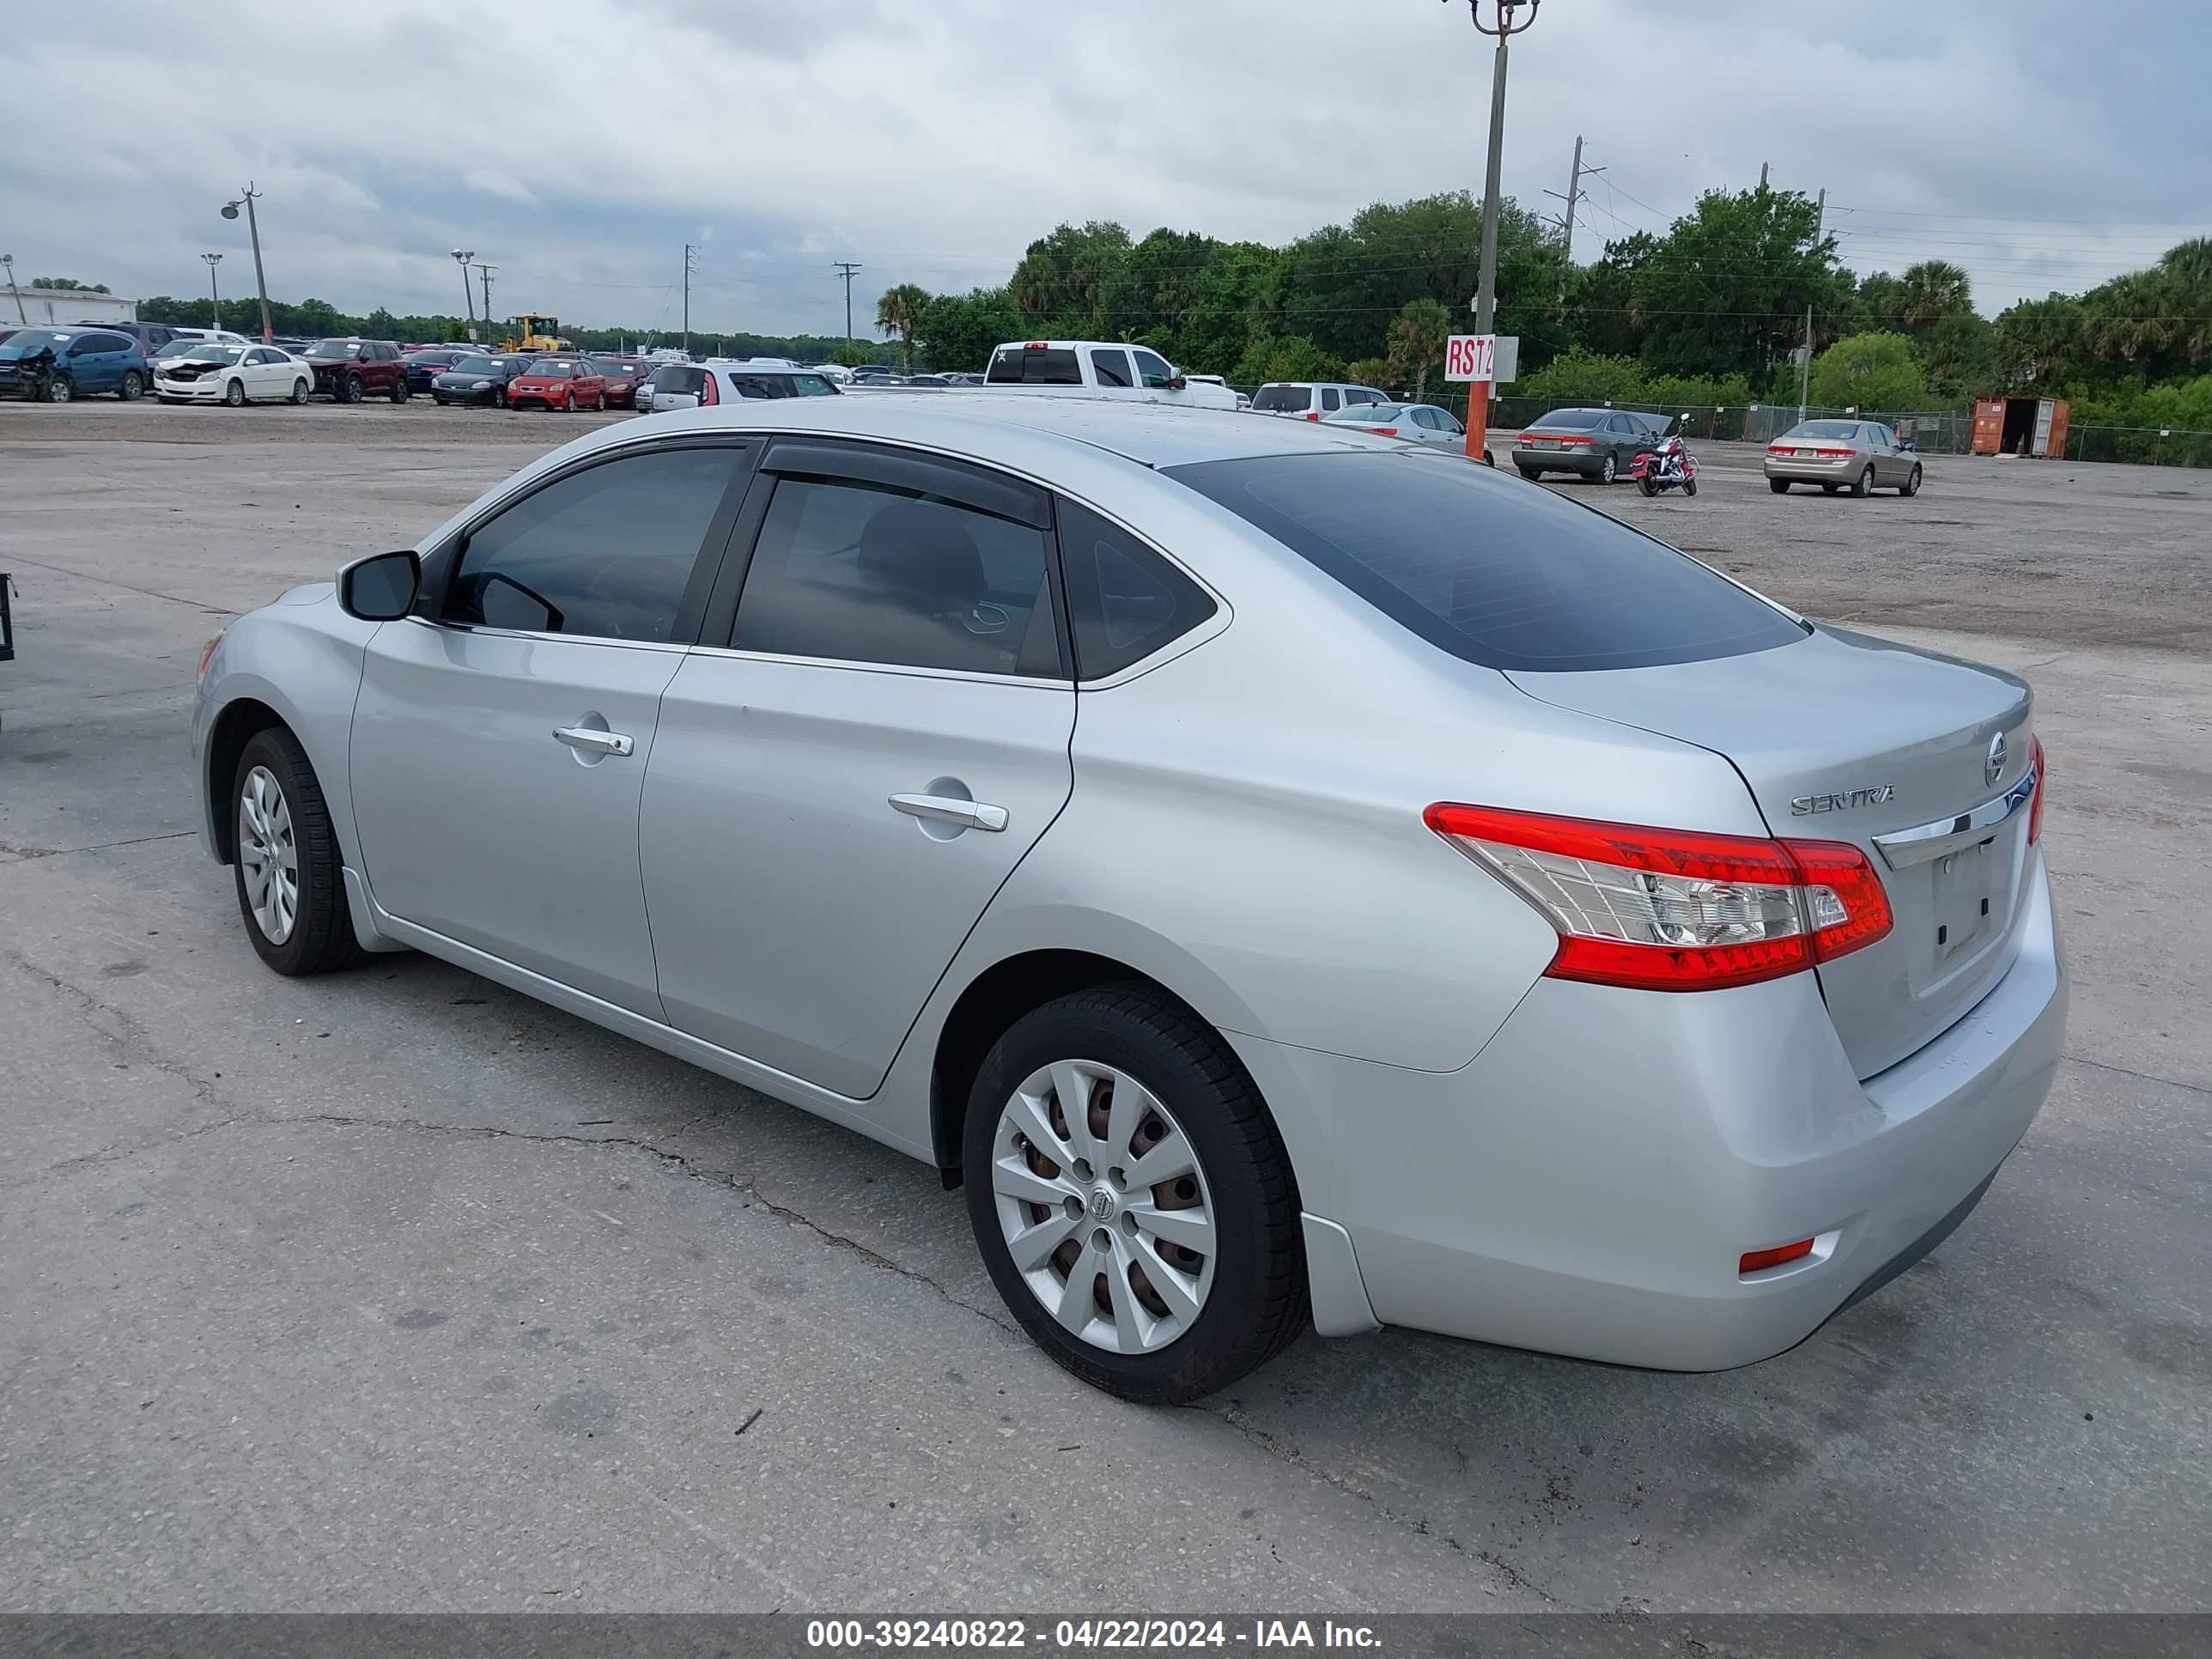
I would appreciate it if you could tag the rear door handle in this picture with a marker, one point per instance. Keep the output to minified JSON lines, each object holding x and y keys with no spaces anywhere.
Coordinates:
{"x":593,"y":741}
{"x":950,"y":809}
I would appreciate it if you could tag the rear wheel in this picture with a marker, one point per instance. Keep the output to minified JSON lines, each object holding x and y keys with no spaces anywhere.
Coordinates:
{"x":401,"y":391}
{"x":1648,"y":484}
{"x":1131,"y":1198}
{"x":300,"y":391}
{"x":1863,"y":487}
{"x":290,"y":889}
{"x":133,"y":386}
{"x":233,"y":393}
{"x":1779,"y":486}
{"x":1911,"y":484}
{"x":1609,"y":471}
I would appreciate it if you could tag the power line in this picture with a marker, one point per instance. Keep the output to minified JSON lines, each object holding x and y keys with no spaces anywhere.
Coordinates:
{"x":846,"y":268}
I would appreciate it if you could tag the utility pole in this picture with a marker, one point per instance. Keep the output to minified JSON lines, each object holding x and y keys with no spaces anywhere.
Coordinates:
{"x":1567,"y":219}
{"x":1805,"y":369}
{"x":1485,"y":296}
{"x":16,"y":294}
{"x":461,"y":258}
{"x":846,"y":268}
{"x":484,"y":271}
{"x":1762,"y":175}
{"x":687,"y":298}
{"x":215,"y":293}
{"x":253,"y":229}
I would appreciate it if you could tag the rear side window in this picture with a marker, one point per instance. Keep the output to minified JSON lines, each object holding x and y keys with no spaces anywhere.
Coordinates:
{"x":854,"y":571}
{"x":1362,"y":395}
{"x":1283,"y":399}
{"x":1042,"y":365}
{"x":1329,"y":398}
{"x":1489,"y":570}
{"x":606,"y":552}
{"x":1124,"y":600}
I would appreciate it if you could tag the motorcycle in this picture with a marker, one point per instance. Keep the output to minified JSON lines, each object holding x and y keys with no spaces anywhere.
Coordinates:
{"x":1667,"y":466}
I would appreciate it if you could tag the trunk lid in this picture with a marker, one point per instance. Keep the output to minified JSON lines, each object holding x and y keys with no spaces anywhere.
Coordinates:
{"x":1843,"y":736}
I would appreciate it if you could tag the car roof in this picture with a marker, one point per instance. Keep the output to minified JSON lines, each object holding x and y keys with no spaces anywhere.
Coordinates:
{"x":982,"y":423}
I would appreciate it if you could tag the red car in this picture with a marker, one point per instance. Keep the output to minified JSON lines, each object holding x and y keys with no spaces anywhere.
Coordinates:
{"x":559,"y":383}
{"x":624,"y":375}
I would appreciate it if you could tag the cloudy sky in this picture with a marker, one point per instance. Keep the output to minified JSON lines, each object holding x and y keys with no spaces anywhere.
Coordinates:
{"x":577,"y":144}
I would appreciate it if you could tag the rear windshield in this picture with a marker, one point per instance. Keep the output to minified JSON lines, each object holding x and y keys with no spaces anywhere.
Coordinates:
{"x":1489,"y":569}
{"x":1824,"y":429}
{"x":1277,"y":399}
{"x":1043,"y":366}
{"x":674,"y":379}
{"x":1570,"y":420}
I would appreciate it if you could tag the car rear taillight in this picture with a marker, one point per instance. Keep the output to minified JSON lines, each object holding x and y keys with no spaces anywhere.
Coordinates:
{"x":2042,"y":788}
{"x":1384,"y":431}
{"x":1674,"y":909}
{"x":1835,"y":454}
{"x":711,"y":393}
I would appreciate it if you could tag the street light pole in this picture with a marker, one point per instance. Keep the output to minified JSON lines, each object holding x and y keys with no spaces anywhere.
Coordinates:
{"x":461,"y":258}
{"x":15,"y":294}
{"x":253,"y":229}
{"x":215,"y":293}
{"x":1485,"y":296}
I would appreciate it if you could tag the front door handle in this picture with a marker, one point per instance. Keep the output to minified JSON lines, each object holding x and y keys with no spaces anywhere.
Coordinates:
{"x":593,"y":741}
{"x":950,"y":809}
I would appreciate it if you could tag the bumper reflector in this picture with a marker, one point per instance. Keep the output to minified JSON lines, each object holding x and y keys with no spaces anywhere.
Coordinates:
{"x":1754,"y":1261}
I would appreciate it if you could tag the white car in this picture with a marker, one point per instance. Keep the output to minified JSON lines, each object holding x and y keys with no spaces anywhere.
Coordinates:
{"x":1111,"y":369}
{"x":233,"y":375}
{"x":185,"y":339}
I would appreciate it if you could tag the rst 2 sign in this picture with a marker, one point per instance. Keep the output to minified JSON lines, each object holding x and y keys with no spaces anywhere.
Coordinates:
{"x":1471,"y":357}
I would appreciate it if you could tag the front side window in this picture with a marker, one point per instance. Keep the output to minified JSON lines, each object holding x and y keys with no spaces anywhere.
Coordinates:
{"x":606,"y":553}
{"x":1124,"y":601}
{"x":1494,"y":572}
{"x":1112,"y":368}
{"x":858,"y":572}
{"x":1152,"y":368}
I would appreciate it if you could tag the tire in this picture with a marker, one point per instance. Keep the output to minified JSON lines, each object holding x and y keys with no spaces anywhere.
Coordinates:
{"x":499,"y":398}
{"x":1235,"y":1307}
{"x":1531,"y":473}
{"x":292,"y":817}
{"x":1911,"y":484}
{"x":234,"y":394}
{"x":132,"y":387}
{"x":300,"y":390}
{"x":1689,"y":486}
{"x":58,"y":390}
{"x":1779,"y":486}
{"x":350,"y":389}
{"x":1609,"y":472}
{"x":401,"y":391}
{"x":1862,"y":486}
{"x":1648,"y":484}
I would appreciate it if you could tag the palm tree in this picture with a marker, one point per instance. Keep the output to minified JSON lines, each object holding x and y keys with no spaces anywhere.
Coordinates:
{"x":1416,"y":342}
{"x":1932,"y":290}
{"x":899,"y":312}
{"x":2187,"y":269}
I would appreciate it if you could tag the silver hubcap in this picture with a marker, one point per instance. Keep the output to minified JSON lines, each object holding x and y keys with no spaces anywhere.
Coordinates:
{"x":1104,"y":1209}
{"x":267,"y":854}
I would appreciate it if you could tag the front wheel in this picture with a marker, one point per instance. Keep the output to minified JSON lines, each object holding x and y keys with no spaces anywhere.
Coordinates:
{"x":1911,"y":484}
{"x":133,"y":386}
{"x":1131,"y":1197}
{"x":1609,"y":472}
{"x":234,"y":394}
{"x":349,"y":392}
{"x":58,"y":390}
{"x":290,"y":889}
{"x":499,"y":398}
{"x":1779,"y":486}
{"x":1689,"y":486}
{"x":299,"y":391}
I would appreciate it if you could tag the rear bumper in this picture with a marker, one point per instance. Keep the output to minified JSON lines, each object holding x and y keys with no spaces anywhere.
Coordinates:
{"x":1561,"y":461}
{"x":1588,"y":1184}
{"x":1830,"y":472}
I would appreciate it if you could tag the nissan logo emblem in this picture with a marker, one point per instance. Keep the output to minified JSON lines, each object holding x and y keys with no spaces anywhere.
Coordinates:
{"x":1993,"y":767}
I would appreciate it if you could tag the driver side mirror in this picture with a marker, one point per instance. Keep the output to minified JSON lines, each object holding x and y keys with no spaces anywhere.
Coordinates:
{"x":380,"y":588}
{"x":1176,"y":381}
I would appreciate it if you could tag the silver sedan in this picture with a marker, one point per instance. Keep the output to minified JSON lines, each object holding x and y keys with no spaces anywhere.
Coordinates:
{"x":1420,"y":423}
{"x":1287,"y":876}
{"x":1860,"y":456}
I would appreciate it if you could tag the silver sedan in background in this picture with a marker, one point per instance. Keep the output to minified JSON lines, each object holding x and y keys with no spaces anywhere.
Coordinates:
{"x":1860,"y":456}
{"x":1451,"y":908}
{"x":1420,"y":423}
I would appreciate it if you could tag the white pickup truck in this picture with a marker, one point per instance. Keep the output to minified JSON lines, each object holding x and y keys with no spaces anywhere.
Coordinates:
{"x":1100,"y":369}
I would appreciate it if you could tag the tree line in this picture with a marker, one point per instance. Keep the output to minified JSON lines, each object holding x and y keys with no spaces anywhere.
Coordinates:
{"x":1710,"y":311}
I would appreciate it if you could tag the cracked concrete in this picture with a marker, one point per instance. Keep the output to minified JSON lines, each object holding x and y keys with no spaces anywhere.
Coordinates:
{"x":394,"y":1289}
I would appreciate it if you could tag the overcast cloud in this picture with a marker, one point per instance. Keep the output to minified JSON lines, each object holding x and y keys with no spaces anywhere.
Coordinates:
{"x":578,"y":144}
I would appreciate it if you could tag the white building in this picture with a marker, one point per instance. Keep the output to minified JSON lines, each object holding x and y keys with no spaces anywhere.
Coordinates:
{"x":58,"y":307}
